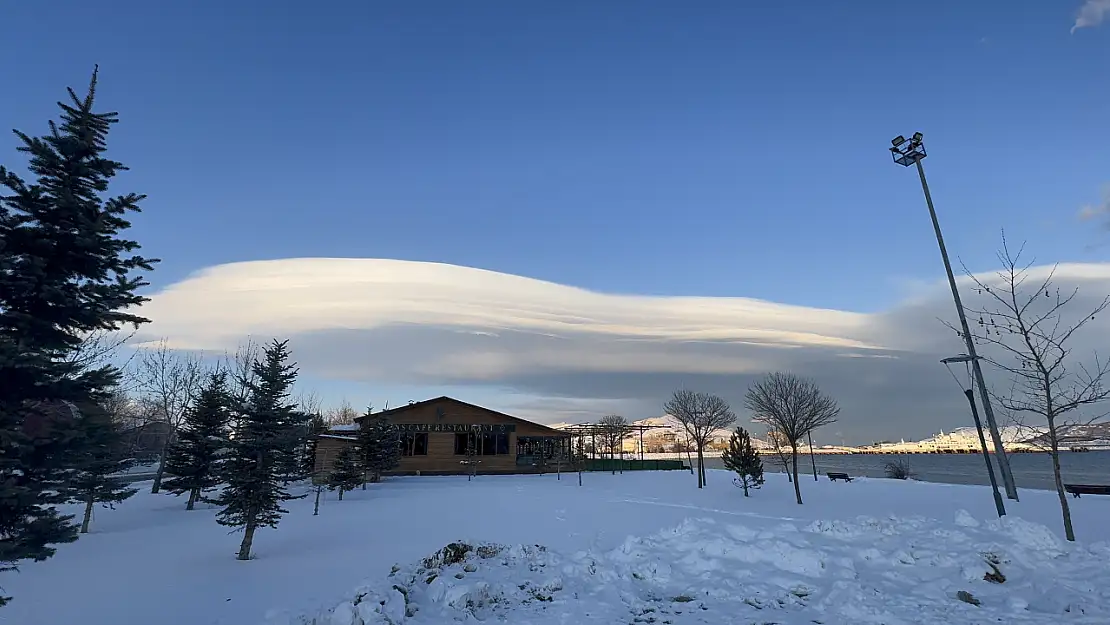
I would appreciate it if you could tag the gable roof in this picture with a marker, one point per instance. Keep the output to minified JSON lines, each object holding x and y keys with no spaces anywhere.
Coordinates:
{"x":399,"y":409}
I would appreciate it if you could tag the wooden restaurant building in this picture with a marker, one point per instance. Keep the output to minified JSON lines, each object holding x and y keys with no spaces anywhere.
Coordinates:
{"x":435,"y":435}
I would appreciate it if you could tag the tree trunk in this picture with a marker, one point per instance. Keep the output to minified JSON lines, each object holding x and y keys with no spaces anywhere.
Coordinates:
{"x":797,"y":487}
{"x":744,"y":483}
{"x":812,"y":458}
{"x":248,"y":540}
{"x":701,"y":468}
{"x":340,"y":494}
{"x":316,"y":506}
{"x":1065,"y":510}
{"x":193,"y":493}
{"x":161,"y":468}
{"x":89,"y":501}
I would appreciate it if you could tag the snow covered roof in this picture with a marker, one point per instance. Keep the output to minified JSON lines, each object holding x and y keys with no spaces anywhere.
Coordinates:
{"x":337,"y":437}
{"x":344,"y":427}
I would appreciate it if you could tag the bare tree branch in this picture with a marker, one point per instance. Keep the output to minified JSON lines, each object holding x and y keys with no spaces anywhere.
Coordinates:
{"x":242,"y":375}
{"x":792,"y":407}
{"x":779,"y":447}
{"x":700,"y":414}
{"x":1026,"y":327}
{"x":613,"y":429}
{"x":170,"y":380}
{"x":97,"y":349}
{"x":344,"y":414}
{"x":309,"y":402}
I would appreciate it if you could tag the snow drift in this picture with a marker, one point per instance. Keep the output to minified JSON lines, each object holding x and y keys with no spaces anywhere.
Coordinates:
{"x":870,"y":570}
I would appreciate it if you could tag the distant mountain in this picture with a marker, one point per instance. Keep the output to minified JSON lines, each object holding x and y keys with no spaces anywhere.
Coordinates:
{"x":1096,"y":434}
{"x":669,"y":422}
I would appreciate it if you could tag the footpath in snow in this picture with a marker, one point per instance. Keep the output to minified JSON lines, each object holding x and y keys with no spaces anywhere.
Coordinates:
{"x":633,"y":548}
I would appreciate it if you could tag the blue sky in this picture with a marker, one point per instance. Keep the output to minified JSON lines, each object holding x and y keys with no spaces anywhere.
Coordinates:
{"x":657,"y":148}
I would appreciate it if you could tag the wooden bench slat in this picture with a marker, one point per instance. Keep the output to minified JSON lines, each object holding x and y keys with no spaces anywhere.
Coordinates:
{"x":1087,"y":489}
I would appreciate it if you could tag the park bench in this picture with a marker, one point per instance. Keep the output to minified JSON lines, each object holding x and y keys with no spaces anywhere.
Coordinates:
{"x":839,"y":476}
{"x":1087,"y":489}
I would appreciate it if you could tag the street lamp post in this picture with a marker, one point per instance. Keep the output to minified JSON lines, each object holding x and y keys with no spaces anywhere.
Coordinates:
{"x":999,"y":506}
{"x":908,"y":152}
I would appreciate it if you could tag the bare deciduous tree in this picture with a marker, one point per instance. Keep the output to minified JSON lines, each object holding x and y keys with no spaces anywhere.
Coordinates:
{"x":613,"y":429}
{"x":778,"y":445}
{"x":344,"y":414}
{"x":170,"y":380}
{"x":240,"y":367}
{"x":700,"y":414}
{"x":793,"y":407}
{"x":309,"y":402}
{"x":1026,"y":327}
{"x":98,"y":348}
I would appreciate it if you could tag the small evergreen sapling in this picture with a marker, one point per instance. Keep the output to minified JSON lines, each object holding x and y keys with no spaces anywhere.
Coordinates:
{"x":742,"y":459}
{"x":192,"y":460}
{"x":346,"y":474}
{"x":262,"y":450}
{"x":379,"y":446}
{"x":103,"y":456}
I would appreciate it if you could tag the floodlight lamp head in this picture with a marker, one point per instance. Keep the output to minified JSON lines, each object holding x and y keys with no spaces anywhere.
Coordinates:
{"x":958,"y":359}
{"x":917,"y":137}
{"x":897,"y":141}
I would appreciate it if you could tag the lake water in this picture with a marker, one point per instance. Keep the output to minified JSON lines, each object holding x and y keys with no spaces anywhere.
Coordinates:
{"x":1030,"y":470}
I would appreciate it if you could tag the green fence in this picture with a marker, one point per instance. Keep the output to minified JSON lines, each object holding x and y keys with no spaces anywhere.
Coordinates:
{"x":607,"y":464}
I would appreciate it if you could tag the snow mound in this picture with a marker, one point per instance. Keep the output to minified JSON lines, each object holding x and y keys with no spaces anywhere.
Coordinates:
{"x":893,"y":571}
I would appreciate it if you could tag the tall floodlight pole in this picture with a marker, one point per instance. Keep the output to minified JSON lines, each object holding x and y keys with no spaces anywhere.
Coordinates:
{"x":908,"y":152}
{"x":999,"y":506}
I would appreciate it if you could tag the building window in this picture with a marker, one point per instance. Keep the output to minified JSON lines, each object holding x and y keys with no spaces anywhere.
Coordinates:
{"x":461,"y":441}
{"x":415,"y":444}
{"x":485,"y":444}
{"x":541,"y":449}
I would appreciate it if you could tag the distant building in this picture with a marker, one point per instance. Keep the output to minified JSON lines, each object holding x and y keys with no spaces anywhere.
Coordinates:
{"x":436,"y":432}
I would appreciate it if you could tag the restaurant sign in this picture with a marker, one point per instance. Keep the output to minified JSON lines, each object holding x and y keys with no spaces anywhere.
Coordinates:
{"x":455,"y":427}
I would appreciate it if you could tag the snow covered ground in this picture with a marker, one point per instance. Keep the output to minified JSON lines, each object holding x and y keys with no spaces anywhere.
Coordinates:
{"x":633,"y":548}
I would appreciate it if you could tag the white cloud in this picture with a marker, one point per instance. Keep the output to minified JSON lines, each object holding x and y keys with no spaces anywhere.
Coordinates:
{"x":1099,"y":211}
{"x":1091,"y":14}
{"x":436,"y":325}
{"x":318,"y":294}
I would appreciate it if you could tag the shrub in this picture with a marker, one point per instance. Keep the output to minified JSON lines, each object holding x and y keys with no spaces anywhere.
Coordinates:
{"x":899,"y":470}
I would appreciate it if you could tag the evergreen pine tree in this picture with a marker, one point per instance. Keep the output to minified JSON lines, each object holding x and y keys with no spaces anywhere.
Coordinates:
{"x":742,"y":459}
{"x":346,"y":473}
{"x":262,"y":450}
{"x":379,"y":446}
{"x":65,"y":271}
{"x":103,"y":455}
{"x":192,"y":461}
{"x":298,"y":455}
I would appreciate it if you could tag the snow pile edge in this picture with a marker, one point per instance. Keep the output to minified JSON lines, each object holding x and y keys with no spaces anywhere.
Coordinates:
{"x":893,"y":570}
